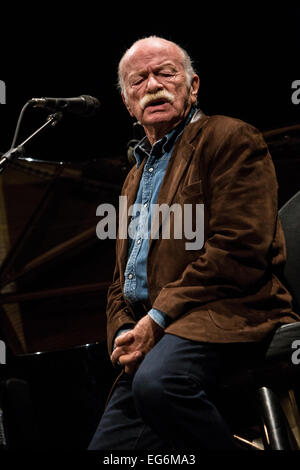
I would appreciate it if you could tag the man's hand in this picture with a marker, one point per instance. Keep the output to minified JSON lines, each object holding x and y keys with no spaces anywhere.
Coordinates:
{"x":131,"y":347}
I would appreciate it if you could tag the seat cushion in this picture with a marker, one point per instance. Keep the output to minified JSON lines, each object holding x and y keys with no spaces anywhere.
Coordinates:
{"x":281,"y":344}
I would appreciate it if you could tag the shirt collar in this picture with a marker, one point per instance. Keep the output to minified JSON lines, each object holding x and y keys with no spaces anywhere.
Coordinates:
{"x":143,"y":148}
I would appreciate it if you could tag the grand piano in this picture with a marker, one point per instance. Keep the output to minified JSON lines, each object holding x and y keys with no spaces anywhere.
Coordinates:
{"x":54,"y":276}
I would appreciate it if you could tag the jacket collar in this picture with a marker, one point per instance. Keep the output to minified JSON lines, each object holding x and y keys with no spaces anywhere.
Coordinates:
{"x":143,"y":148}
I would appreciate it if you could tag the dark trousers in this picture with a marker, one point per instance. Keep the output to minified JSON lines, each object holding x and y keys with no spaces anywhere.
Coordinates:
{"x":167,"y":404}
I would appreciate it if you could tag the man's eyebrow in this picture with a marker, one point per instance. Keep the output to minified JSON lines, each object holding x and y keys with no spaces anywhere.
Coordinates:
{"x":167,"y":64}
{"x":137,"y":73}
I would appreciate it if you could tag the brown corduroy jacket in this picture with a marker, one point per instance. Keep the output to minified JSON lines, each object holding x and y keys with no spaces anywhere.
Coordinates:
{"x":229,"y":290}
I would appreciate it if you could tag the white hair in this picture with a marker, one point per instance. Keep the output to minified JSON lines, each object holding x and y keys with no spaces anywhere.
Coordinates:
{"x":186,"y":62}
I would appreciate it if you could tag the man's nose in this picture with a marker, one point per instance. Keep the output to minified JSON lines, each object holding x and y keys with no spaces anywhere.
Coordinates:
{"x":153,"y":84}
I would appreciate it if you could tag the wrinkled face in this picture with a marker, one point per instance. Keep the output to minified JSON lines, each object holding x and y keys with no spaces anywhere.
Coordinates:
{"x":156,"y":89}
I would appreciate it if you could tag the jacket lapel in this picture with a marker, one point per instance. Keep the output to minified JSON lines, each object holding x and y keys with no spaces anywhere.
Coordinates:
{"x":179,"y":161}
{"x":131,"y":189}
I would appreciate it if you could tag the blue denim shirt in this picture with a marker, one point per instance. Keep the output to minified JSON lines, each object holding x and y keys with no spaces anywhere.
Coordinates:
{"x":157,"y":158}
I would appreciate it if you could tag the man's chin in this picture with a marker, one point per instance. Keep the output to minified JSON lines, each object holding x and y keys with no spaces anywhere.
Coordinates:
{"x":156,"y":116}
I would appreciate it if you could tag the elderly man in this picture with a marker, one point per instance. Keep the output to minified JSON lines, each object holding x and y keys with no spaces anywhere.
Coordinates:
{"x":179,"y":313}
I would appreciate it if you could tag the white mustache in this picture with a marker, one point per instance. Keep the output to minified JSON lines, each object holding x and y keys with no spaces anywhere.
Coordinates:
{"x":159,"y":95}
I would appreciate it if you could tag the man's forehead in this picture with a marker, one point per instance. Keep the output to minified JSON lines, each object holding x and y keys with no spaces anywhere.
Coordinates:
{"x":146,"y":51}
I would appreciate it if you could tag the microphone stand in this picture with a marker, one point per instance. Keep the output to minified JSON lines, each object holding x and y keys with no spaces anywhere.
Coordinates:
{"x":18,"y":151}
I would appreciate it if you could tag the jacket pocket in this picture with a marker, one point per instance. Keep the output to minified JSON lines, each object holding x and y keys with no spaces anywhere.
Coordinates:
{"x":228,"y":321}
{"x":192,"y":193}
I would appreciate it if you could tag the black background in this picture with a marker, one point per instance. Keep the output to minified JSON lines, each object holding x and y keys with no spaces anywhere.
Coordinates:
{"x":246,"y":57}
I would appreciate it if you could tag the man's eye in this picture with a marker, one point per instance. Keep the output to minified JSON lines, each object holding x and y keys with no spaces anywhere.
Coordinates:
{"x":138,"y":81}
{"x":166,"y":74}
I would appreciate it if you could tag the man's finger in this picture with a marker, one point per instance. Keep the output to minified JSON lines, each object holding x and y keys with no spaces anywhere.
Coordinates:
{"x":116,"y":355}
{"x":126,"y":359}
{"x":119,"y":351}
{"x":124,"y":339}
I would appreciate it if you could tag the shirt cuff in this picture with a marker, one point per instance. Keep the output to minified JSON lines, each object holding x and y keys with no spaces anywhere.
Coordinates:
{"x":159,"y":317}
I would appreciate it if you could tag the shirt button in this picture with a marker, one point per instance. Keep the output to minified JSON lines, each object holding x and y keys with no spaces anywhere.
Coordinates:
{"x":130,"y":276}
{"x":146,"y":204}
{"x":139,"y":241}
{"x":150,"y":170}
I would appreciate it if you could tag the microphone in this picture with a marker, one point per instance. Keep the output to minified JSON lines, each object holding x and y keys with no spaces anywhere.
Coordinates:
{"x":85,"y":105}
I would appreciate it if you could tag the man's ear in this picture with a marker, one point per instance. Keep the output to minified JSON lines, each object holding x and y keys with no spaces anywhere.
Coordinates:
{"x":194,"y":88}
{"x":127,"y":105}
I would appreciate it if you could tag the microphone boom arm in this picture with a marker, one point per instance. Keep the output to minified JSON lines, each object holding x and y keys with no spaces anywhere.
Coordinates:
{"x":16,"y":152}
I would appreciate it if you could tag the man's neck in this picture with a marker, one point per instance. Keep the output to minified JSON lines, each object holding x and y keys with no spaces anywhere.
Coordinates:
{"x":156,"y":133}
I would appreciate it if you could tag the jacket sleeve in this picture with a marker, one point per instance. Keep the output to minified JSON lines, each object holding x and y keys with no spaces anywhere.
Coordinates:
{"x":119,"y":315}
{"x":242,"y":212}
